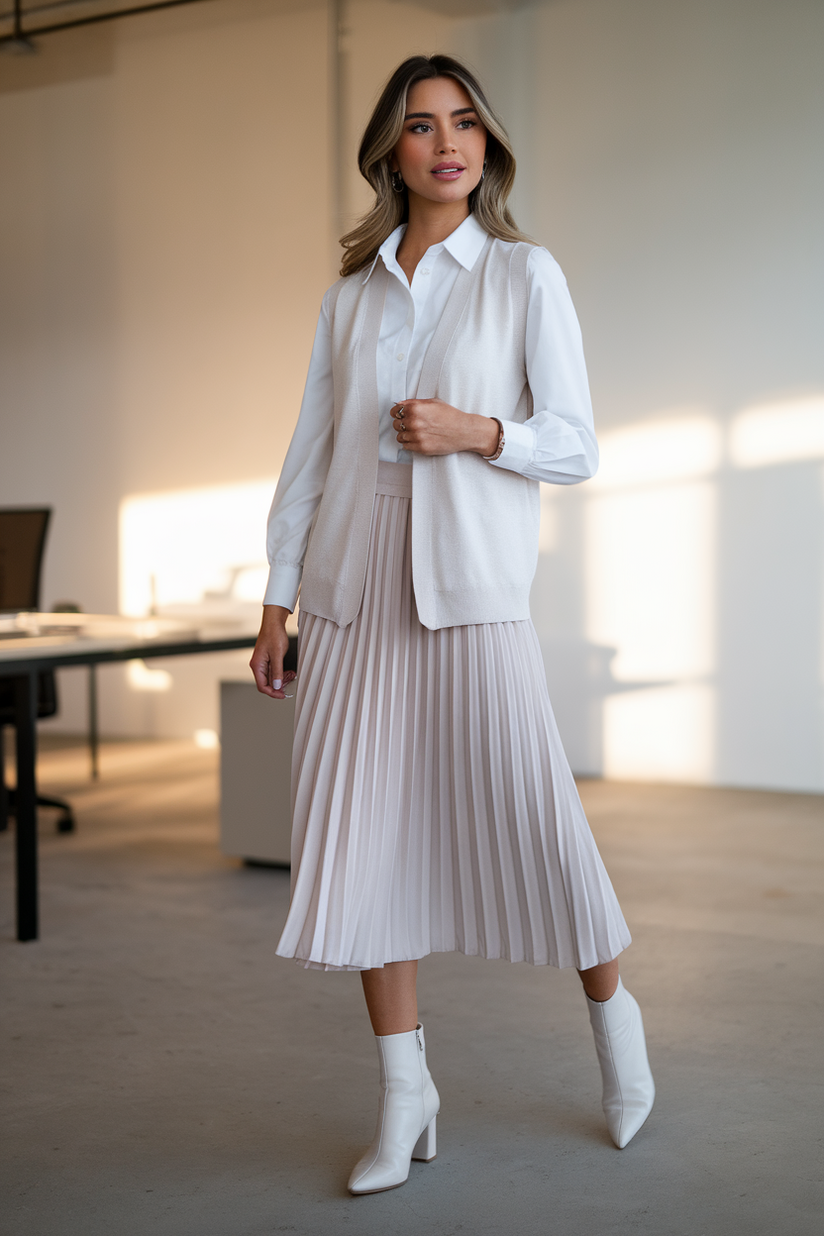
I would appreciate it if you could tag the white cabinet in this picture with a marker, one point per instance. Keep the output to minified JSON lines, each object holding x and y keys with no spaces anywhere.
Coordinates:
{"x":255,"y":762}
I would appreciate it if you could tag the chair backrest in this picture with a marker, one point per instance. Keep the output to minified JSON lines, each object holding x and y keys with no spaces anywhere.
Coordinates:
{"x":22,"y":538}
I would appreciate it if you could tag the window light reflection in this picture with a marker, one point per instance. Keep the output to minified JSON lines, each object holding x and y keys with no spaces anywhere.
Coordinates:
{"x":650,"y":539}
{"x":201,"y":547}
{"x":778,"y":433}
{"x":661,"y":734}
{"x":670,"y":449}
{"x":650,"y":557}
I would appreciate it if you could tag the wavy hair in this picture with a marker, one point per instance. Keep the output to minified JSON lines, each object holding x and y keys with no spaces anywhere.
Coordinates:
{"x":487,"y":201}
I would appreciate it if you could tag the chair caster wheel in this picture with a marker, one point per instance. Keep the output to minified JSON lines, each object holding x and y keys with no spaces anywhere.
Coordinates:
{"x":65,"y":824}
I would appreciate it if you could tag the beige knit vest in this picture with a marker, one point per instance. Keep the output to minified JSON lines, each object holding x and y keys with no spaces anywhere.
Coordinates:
{"x":474,"y":526}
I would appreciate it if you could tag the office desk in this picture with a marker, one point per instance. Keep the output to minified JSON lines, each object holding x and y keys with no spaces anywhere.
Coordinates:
{"x":56,"y":641}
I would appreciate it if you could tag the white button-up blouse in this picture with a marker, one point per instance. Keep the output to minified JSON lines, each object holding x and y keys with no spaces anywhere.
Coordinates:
{"x":557,"y":444}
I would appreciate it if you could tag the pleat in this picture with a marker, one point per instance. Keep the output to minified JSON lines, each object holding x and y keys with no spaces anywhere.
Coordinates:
{"x":433,"y":806}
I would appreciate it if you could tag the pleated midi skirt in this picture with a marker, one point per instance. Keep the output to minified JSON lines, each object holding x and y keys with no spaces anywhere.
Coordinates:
{"x":433,"y":808}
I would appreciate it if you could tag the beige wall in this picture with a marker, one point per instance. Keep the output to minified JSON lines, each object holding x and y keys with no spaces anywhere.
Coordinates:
{"x":164,"y":251}
{"x":168,"y":196}
{"x":221,"y":183}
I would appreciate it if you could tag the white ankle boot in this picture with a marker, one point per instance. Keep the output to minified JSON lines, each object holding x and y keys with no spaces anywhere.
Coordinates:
{"x":629,"y":1091}
{"x":407,"y":1108}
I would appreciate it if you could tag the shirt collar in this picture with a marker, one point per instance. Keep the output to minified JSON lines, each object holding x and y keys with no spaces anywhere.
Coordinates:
{"x":464,"y":245}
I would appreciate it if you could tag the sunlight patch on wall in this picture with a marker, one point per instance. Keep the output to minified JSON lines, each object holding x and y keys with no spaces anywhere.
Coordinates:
{"x":650,"y":531}
{"x":202,"y":548}
{"x":671,"y":449}
{"x":650,"y":566}
{"x":778,"y":433}
{"x":660,"y":734}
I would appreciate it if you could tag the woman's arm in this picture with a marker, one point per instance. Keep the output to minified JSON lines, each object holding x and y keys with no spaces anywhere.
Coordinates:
{"x":557,"y":444}
{"x":296,"y":499}
{"x":303,"y":476}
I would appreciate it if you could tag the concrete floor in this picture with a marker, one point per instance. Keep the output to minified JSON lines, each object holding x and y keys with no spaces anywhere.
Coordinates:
{"x":167,"y":1074}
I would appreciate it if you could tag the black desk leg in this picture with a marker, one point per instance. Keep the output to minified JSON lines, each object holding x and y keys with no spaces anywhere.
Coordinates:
{"x":94,"y":741}
{"x":26,"y":806}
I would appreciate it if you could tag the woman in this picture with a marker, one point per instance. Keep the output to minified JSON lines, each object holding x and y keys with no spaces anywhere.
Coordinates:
{"x":433,"y":807}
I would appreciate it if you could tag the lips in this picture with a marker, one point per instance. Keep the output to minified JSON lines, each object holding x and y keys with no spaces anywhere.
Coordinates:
{"x":448,"y":171}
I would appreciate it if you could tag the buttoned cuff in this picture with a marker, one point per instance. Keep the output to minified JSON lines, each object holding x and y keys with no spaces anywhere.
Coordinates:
{"x":519,"y":447}
{"x":284,"y":583}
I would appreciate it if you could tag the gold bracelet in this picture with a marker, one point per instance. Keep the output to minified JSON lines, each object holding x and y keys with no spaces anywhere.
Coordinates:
{"x":501,"y":442}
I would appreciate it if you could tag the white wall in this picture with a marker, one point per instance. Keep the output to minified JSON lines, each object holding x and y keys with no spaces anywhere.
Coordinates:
{"x":166,"y":198}
{"x":671,"y":159}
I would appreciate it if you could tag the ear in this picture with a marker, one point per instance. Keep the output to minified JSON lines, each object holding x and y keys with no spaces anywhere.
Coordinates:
{"x":394,"y":166}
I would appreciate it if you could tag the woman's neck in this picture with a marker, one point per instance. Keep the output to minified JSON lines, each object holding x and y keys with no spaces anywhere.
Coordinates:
{"x":429,"y":224}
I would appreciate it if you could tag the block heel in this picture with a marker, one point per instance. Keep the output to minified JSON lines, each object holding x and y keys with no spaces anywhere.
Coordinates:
{"x":426,"y":1147}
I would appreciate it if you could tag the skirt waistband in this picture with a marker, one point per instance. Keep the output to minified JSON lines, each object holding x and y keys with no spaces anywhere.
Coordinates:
{"x":394,"y":479}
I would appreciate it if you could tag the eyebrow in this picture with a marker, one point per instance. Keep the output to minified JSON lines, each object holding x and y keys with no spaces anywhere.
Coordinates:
{"x":461,"y":111}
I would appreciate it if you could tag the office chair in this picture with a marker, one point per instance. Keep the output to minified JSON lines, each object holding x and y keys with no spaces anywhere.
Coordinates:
{"x":22,"y":539}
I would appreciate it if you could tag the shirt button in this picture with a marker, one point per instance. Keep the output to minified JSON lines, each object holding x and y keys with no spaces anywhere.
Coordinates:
{"x":400,"y":356}
{"x":425,"y":270}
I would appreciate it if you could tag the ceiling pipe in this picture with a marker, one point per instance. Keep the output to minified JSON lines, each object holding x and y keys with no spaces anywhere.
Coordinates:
{"x":20,"y":40}
{"x":17,"y":43}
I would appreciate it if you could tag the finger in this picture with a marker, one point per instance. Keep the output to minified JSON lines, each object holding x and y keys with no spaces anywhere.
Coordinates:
{"x":405,"y":409}
{"x":259,"y":665}
{"x":276,"y":675}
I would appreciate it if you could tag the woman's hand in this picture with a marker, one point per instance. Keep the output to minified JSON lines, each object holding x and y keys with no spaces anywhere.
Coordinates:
{"x":270,"y":649}
{"x":432,"y":427}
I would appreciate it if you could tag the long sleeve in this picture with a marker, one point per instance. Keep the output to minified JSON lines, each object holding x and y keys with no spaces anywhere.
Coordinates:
{"x":305,"y":469}
{"x":557,"y":444}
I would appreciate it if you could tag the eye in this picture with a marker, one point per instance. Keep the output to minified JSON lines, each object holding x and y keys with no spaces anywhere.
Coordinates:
{"x":420,"y":127}
{"x":467,"y":124}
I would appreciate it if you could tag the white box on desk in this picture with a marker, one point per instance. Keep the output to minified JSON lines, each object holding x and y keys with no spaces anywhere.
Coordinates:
{"x":255,"y":767}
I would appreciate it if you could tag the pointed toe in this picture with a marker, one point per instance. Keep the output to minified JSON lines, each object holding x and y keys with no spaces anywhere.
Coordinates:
{"x":625,"y":1123}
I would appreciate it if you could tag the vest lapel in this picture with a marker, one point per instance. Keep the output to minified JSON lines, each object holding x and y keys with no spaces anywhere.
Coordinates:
{"x":363,"y":469}
{"x":445,"y":330}
{"x":365,"y":349}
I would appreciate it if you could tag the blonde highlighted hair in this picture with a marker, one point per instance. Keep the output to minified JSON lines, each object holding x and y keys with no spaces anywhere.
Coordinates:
{"x":487,"y":201}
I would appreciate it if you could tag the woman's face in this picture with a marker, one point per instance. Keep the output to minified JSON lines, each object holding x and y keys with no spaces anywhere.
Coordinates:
{"x":441,"y":150}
